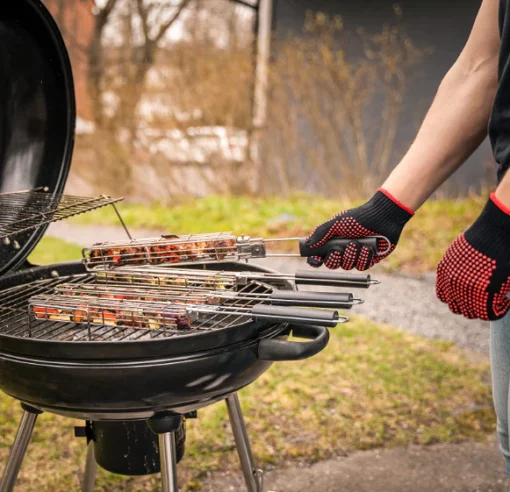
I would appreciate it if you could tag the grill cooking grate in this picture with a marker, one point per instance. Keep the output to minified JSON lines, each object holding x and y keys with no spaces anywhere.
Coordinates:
{"x":16,"y":320}
{"x":144,"y":310}
{"x":26,"y":210}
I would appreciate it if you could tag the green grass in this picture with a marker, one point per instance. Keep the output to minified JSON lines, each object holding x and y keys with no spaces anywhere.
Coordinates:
{"x":424,"y":240}
{"x":226,"y":213}
{"x":372,"y":387}
{"x":53,"y":250}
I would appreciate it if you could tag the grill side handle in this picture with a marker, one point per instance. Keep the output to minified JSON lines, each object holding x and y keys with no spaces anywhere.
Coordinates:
{"x":272,"y":349}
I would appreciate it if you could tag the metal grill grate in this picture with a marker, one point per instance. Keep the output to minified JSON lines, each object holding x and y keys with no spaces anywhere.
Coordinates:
{"x":16,"y":320}
{"x":146,"y":310}
{"x":14,"y":306}
{"x":26,"y":210}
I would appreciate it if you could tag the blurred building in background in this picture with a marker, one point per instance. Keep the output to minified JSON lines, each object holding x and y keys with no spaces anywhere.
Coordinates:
{"x":197,"y":112}
{"x":76,"y":19}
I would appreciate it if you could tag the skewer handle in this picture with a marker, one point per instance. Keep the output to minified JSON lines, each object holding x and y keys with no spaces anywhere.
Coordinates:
{"x":313,"y":299}
{"x":338,"y":244}
{"x":295,"y":315}
{"x":333,"y":279}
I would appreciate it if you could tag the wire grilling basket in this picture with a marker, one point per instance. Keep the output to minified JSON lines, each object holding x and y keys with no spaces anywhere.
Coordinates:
{"x":160,"y":276}
{"x":205,"y":248}
{"x":203,"y":295}
{"x":172,"y":316}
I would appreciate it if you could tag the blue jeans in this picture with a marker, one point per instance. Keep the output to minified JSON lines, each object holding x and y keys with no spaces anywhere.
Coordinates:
{"x":500,"y":367}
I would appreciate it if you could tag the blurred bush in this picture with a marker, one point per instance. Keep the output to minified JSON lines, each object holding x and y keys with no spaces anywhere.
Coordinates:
{"x":173,"y":115}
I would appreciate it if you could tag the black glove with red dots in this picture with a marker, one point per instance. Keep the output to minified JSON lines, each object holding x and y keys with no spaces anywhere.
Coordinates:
{"x":382,"y":215}
{"x":473,"y":277}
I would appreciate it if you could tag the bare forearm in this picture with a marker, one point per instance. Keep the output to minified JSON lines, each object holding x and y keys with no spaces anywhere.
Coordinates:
{"x":454,"y":127}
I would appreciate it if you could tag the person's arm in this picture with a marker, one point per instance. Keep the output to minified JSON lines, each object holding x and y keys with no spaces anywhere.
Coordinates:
{"x":454,"y":127}
{"x":457,"y":121}
{"x":473,"y":277}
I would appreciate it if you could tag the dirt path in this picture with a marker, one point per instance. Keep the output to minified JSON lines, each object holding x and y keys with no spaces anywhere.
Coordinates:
{"x":464,"y":467}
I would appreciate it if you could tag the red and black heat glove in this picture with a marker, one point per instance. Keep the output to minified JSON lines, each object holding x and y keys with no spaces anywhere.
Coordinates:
{"x":382,"y":215}
{"x":473,"y":277}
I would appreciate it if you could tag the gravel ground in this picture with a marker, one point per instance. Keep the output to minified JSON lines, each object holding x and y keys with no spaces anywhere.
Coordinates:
{"x":410,"y":303}
{"x":406,"y":302}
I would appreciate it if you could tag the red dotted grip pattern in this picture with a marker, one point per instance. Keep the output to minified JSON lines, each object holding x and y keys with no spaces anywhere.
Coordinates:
{"x":355,"y":255}
{"x":465,"y":281}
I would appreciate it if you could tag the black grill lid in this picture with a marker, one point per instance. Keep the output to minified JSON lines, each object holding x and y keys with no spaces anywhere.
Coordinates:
{"x":37,"y":111}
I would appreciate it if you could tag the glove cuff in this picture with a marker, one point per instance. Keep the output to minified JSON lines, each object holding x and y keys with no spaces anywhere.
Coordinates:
{"x":491,"y":231}
{"x":499,"y":204}
{"x":383,"y":209}
{"x":396,"y":201}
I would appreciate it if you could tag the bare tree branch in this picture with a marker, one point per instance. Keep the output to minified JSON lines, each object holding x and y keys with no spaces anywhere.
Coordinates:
{"x":144,"y":15}
{"x":106,"y":10}
{"x":164,"y":27}
{"x":96,"y":55}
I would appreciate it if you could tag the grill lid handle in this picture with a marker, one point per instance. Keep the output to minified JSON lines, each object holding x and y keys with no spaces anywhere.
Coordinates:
{"x":272,"y":349}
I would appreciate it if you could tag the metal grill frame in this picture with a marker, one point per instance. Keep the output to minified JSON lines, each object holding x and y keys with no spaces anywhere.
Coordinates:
{"x":36,"y":208}
{"x":201,"y":317}
{"x":164,"y":277}
{"x":16,"y":319}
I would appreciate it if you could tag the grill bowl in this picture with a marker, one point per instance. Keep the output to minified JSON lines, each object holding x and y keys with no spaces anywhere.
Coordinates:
{"x":132,"y":379}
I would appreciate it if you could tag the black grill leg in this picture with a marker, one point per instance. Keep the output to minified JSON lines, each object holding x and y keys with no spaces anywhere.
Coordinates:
{"x":89,"y":477}
{"x":19,"y":448}
{"x":252,"y":475}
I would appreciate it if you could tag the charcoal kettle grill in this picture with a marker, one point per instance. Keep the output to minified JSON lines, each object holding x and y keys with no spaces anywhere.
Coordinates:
{"x":109,"y":375}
